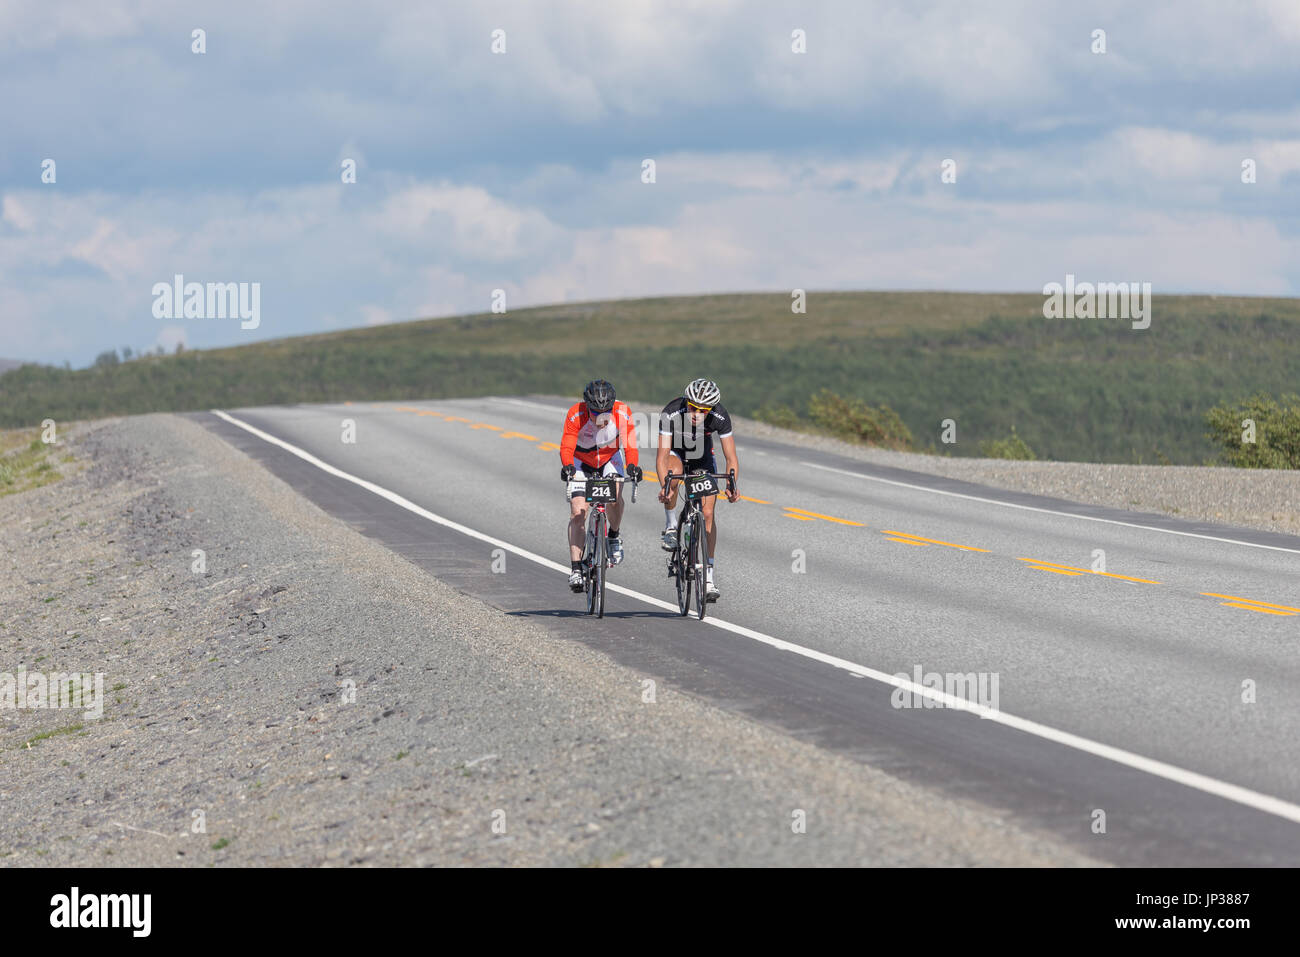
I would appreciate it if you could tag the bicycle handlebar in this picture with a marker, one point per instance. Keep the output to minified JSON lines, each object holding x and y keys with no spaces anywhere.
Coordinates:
{"x":729,"y":476}
{"x":619,"y":479}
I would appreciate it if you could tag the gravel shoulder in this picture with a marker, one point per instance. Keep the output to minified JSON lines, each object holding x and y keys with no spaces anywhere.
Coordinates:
{"x":310,"y":698}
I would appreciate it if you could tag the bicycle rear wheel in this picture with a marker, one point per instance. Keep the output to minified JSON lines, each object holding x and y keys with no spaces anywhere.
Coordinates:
{"x":682,"y":574}
{"x":600,"y":563}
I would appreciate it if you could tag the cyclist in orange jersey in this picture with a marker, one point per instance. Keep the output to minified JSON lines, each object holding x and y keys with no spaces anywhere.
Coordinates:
{"x":599,"y":440}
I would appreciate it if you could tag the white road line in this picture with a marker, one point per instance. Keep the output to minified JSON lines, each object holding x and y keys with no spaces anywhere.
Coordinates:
{"x":1047,"y":511}
{"x":1191,"y":779}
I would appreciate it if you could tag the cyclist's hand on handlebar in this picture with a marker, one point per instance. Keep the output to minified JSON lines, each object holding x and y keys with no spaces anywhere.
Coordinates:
{"x":733,"y":494}
{"x":634,"y":473}
{"x":665,"y":482}
{"x":567,"y":472}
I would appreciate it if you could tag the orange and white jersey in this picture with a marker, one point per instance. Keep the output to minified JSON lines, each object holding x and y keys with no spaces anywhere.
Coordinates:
{"x":594,"y":440}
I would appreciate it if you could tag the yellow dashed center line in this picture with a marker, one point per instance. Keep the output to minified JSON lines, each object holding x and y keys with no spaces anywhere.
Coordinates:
{"x":1071,"y":570}
{"x":918,"y":540}
{"x":804,"y":515}
{"x":1266,"y":611}
{"x":908,"y":541}
{"x":746,"y":498}
{"x":1251,"y":604}
{"x":518,"y":435}
{"x":1055,"y":571}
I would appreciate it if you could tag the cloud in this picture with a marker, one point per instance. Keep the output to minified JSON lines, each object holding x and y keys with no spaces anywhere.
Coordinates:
{"x":522,"y":171}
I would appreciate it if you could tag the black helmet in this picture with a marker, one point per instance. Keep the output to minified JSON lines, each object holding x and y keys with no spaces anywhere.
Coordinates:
{"x":599,"y":396}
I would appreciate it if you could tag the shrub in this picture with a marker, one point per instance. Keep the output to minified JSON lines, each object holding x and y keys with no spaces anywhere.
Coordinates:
{"x":853,"y":419}
{"x":1276,"y":442}
{"x":1010,"y":448}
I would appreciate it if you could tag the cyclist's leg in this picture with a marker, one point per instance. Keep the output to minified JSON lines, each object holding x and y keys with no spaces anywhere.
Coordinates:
{"x":674,"y":466}
{"x":710,"y":526}
{"x":671,"y":518}
{"x":577,"y":515}
{"x":614,"y":512}
{"x":708,"y":464}
{"x":711,"y":538}
{"x":708,"y":507}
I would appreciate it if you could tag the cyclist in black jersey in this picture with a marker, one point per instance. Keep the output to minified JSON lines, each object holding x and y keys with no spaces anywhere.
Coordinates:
{"x":687,"y":426}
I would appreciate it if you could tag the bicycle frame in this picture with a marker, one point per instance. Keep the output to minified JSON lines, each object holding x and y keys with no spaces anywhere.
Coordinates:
{"x":593,"y":508}
{"x":688,"y":567}
{"x":595,"y":560}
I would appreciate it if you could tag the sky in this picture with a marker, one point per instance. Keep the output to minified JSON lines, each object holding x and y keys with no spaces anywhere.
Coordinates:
{"x":522,"y":170}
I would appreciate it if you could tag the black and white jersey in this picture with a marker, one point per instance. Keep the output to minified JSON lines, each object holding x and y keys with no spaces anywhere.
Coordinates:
{"x":693,"y":442}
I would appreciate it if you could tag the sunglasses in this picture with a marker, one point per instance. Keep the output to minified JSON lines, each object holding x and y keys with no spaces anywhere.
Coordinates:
{"x":698,"y":408}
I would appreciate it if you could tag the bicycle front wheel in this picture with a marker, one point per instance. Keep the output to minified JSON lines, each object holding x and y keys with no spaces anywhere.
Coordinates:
{"x":699,"y":556}
{"x":600,"y":564}
{"x":681,"y":571}
{"x":701,"y":559}
{"x":588,"y":579}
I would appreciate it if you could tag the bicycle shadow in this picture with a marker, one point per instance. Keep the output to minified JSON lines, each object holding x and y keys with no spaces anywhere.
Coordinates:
{"x":579,"y":613}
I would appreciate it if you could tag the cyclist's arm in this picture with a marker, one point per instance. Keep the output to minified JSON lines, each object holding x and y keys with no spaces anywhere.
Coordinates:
{"x":628,"y":438}
{"x":569,"y":441}
{"x":733,"y":461}
{"x":661,"y":456}
{"x":665,"y":442}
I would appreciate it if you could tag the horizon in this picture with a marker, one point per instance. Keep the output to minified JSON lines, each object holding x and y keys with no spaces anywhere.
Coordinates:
{"x":140,"y":353}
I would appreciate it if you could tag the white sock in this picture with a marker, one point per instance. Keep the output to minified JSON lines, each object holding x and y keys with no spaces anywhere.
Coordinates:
{"x":670,"y":520}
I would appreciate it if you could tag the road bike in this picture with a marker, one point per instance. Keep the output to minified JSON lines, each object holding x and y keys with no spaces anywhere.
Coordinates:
{"x":595,"y":557}
{"x":686,"y":562}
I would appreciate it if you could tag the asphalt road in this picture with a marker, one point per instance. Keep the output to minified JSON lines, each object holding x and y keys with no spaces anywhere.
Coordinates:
{"x":1161,"y":698}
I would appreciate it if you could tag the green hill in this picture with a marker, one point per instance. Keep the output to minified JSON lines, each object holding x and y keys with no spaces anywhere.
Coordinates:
{"x":1075,"y":389}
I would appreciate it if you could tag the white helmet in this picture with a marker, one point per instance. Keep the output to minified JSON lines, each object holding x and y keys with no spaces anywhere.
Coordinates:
{"x":703,"y":392}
